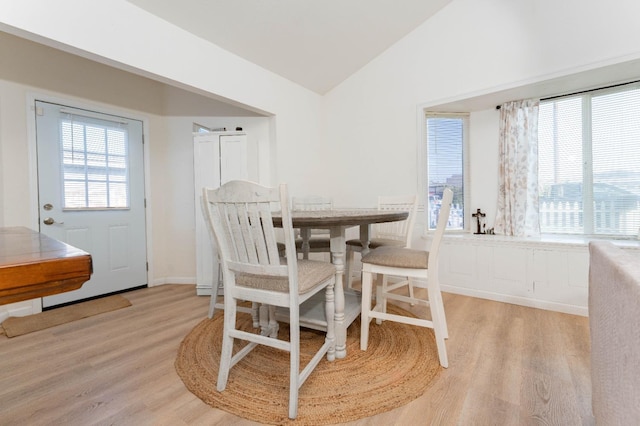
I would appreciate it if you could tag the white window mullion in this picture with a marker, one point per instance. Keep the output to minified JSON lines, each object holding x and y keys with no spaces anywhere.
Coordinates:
{"x":107,"y":143}
{"x":86,"y":165}
{"x":587,"y":166}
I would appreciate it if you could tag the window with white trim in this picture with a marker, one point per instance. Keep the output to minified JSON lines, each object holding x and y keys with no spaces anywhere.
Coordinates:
{"x":589,"y":163}
{"x":199,"y":128}
{"x":446,"y":143}
{"x":94,"y":163}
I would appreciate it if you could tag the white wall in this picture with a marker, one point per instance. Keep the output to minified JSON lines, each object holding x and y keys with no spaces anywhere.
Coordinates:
{"x":17,"y":169}
{"x":483,"y":151}
{"x":467,"y":49}
{"x":130,"y":39}
{"x":73,"y":80}
{"x":366,"y":144}
{"x":15,"y":156}
{"x":179,"y":259}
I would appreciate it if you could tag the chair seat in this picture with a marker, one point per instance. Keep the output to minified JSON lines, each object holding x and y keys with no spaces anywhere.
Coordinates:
{"x":311,"y":273}
{"x":398,"y":257}
{"x":405,"y":262}
{"x":390,"y":234}
{"x":376,"y":242}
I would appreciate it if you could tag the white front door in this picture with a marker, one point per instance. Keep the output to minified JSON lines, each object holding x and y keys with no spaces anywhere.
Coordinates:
{"x":91,"y":194}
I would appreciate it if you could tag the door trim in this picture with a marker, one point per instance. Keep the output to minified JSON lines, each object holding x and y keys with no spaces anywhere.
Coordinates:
{"x":33,"y":159}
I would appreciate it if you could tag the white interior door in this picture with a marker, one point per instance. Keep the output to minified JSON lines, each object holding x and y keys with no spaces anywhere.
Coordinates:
{"x":217,"y":160}
{"x":233,"y":158}
{"x":91,"y":194}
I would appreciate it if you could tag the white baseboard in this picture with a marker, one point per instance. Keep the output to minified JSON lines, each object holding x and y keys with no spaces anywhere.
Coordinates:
{"x":173,"y":280}
{"x":203,"y":291}
{"x":517,"y":300}
{"x":498,"y":297}
{"x":200,"y":290}
{"x":20,"y":309}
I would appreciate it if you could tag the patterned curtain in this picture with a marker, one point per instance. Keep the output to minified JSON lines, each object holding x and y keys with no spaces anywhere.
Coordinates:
{"x":517,"y":211}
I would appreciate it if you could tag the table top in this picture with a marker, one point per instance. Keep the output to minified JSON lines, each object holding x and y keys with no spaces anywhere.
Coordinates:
{"x":337,"y":217}
{"x":19,"y":245}
{"x":35,"y":265}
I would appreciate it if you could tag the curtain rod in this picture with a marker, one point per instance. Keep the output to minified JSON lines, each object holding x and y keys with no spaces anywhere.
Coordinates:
{"x":585,"y":91}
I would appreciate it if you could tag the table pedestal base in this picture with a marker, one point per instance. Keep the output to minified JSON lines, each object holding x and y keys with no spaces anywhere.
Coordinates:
{"x":312,"y":313}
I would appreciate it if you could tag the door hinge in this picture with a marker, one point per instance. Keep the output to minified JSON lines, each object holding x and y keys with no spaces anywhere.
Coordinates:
{"x":147,"y":266}
{"x":145,"y":203}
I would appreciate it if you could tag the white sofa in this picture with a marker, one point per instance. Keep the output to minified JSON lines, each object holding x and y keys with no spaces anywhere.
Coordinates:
{"x":614,"y":322}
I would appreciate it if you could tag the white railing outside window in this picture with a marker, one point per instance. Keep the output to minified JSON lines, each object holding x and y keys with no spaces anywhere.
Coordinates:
{"x":608,"y":218}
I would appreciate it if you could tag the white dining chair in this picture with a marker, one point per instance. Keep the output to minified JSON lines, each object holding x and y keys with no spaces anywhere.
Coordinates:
{"x":318,"y":239}
{"x":240,"y":214}
{"x":393,"y":234}
{"x":422,"y":266}
{"x":217,"y":287}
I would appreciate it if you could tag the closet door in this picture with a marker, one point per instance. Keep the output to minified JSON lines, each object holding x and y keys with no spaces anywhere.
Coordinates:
{"x":218,"y":158}
{"x":233,"y":158}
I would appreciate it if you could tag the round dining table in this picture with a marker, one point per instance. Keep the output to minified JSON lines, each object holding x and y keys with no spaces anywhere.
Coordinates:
{"x":337,"y":221}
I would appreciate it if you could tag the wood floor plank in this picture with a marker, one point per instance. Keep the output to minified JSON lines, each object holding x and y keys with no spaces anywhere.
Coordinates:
{"x":507,"y":365}
{"x":577,"y":347}
{"x":498,"y":369}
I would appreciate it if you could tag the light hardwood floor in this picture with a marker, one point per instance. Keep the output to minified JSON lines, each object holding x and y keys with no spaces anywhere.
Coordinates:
{"x":508,"y":365}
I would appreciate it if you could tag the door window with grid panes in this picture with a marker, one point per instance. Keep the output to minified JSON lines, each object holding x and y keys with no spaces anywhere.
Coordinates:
{"x":94,"y":164}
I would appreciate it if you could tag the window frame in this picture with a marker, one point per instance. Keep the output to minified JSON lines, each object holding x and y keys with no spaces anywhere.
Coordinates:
{"x":87,"y":120}
{"x":423,"y":166}
{"x":200,"y":128}
{"x":588,"y":211}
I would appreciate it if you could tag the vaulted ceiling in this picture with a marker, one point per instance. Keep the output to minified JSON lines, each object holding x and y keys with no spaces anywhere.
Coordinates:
{"x":317,"y":44}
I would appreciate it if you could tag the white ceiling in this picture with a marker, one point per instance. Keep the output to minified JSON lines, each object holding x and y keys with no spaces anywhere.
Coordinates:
{"x":331,"y":41}
{"x":317,"y":44}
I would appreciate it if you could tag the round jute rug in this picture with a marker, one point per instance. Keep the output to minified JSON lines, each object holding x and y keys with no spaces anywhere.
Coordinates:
{"x":397,"y":367}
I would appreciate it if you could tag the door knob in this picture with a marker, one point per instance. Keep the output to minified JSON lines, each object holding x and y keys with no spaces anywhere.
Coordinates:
{"x":50,"y":221}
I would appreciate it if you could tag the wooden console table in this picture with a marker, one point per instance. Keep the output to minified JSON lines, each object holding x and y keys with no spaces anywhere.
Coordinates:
{"x":33,"y":265}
